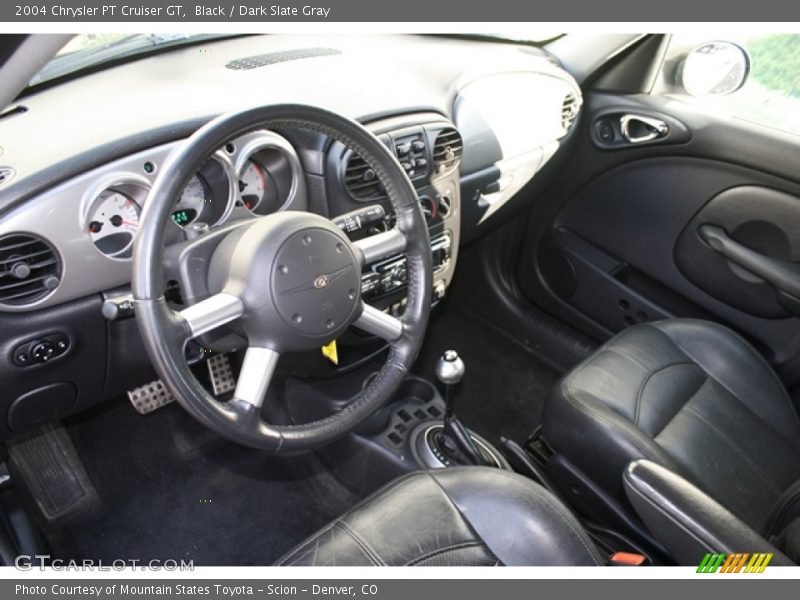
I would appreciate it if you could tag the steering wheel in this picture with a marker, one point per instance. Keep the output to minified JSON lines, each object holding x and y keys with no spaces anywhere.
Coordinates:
{"x":291,"y":281}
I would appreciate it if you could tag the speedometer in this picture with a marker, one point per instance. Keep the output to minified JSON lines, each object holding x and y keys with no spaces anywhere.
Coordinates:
{"x":193,"y":201}
{"x":113,"y":222}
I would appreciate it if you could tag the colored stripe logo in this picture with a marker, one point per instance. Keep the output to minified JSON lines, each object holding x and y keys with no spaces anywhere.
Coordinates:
{"x":738,"y":562}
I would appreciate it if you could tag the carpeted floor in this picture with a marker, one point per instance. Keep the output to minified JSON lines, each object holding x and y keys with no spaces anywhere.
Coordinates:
{"x":505,"y":384}
{"x":169,"y":488}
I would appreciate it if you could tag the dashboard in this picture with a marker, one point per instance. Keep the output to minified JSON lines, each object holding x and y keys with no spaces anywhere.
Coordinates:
{"x":471,"y":123}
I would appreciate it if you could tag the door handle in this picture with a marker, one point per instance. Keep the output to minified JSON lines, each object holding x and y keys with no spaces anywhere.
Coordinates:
{"x":637,"y":129}
{"x":781,"y":274}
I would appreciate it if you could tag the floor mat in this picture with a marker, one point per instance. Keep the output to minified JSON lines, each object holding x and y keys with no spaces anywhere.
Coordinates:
{"x":505,"y":384}
{"x":171,"y":489}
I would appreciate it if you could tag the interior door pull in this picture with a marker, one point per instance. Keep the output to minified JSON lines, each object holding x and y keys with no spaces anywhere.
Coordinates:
{"x":637,"y":129}
{"x":781,"y":274}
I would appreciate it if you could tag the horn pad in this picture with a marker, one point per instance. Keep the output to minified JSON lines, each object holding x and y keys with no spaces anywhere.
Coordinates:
{"x":297,"y":276}
{"x":315,"y":282}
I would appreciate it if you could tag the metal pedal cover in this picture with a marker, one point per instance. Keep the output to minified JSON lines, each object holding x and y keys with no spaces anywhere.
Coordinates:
{"x":150,"y":397}
{"x":221,"y":374}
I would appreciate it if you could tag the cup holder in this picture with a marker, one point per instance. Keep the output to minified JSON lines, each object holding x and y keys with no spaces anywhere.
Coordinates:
{"x":415,"y":391}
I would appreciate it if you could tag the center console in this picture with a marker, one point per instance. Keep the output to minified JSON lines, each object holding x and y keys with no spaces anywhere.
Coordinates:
{"x":429,"y":149}
{"x":407,"y":435}
{"x":417,"y":429}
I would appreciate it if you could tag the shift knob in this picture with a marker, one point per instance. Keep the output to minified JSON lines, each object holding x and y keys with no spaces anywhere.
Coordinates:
{"x":450,"y":368}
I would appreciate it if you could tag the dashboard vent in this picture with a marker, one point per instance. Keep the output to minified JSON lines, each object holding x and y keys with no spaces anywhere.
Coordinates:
{"x":29,"y":269}
{"x":13,"y":111}
{"x":447,"y":149}
{"x":569,"y":111}
{"x":361,"y":181}
{"x":264,"y":60}
{"x":6,"y":174}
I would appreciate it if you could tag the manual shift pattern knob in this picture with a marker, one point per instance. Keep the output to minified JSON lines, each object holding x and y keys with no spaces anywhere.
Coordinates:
{"x":450,"y":368}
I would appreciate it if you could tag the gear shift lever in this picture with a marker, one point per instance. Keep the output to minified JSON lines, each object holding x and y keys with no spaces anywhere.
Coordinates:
{"x":454,"y":439}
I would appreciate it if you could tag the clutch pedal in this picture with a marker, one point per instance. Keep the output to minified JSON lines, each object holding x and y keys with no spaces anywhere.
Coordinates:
{"x":152,"y":396}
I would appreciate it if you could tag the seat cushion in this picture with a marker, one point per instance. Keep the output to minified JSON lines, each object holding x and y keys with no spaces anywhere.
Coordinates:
{"x":462,"y":516}
{"x":690,"y":395}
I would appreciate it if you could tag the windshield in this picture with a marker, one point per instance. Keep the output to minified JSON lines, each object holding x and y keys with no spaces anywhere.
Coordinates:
{"x":89,"y":50}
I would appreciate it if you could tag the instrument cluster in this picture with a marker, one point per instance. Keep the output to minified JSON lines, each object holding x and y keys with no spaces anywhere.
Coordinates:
{"x":256,"y":174}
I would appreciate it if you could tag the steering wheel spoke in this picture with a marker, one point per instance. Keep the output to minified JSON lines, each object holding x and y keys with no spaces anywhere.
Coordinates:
{"x":256,"y":373}
{"x":213,"y":312}
{"x":381,"y":245}
{"x":377,"y":322}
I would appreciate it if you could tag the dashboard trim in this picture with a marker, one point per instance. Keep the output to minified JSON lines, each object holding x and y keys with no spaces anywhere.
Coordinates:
{"x":60,"y":216}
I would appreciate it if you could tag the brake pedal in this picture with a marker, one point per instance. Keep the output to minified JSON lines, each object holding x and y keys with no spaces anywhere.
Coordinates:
{"x":221,"y":374}
{"x":48,"y":463}
{"x":150,"y":396}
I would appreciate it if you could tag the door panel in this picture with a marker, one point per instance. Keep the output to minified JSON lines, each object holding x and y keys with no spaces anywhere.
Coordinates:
{"x":620,"y":238}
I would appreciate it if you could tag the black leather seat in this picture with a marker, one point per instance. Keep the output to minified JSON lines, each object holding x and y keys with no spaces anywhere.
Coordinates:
{"x":452,"y":517}
{"x":693,"y":397}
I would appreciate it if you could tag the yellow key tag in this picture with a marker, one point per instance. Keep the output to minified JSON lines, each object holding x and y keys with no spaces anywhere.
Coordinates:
{"x":330,"y":352}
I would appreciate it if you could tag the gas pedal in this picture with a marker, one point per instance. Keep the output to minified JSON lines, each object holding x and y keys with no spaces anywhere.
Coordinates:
{"x":221,"y":374}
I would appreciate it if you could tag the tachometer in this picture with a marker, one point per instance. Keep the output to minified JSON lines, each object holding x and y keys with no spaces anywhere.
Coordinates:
{"x":114,"y":222}
{"x":253,"y":184}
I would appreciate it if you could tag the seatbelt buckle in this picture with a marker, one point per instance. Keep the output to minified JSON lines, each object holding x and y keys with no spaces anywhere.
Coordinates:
{"x":626,"y":559}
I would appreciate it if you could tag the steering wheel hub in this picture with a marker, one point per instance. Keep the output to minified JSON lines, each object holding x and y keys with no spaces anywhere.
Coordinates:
{"x":315,"y":282}
{"x":297,"y":276}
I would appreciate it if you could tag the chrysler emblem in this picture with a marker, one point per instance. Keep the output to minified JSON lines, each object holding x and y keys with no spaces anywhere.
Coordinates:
{"x":320,"y":282}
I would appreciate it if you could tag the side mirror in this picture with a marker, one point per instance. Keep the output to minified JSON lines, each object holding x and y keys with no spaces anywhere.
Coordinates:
{"x":714,"y":69}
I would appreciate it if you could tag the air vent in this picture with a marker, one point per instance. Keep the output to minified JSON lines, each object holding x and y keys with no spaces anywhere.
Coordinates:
{"x":6,"y":174}
{"x":569,"y":111}
{"x":447,"y":149}
{"x":29,"y":269}
{"x":13,"y":111}
{"x":263,"y":60}
{"x":361,"y":181}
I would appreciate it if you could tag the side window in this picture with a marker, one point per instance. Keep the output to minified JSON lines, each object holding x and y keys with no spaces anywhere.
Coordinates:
{"x":771,"y":93}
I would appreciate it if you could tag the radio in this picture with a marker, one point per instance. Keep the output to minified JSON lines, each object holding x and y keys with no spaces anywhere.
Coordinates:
{"x":389,"y":275}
